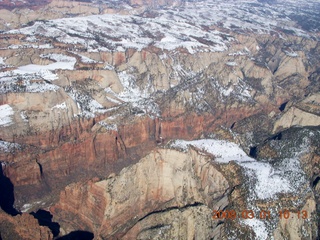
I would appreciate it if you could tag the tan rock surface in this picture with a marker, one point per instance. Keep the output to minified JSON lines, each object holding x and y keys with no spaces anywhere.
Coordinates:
{"x":298,"y":225}
{"x":163,"y":180}
{"x":304,"y":113}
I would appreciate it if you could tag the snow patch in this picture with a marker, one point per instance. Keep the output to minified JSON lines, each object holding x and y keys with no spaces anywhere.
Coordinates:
{"x":292,"y":54}
{"x":2,"y":61}
{"x":232,"y":64}
{"x":109,"y":126}
{"x":267,"y":180}
{"x":24,"y":116}
{"x":8,"y":146}
{"x":223,"y":151}
{"x":6,"y":113}
{"x":12,"y":82}
{"x":258,"y":227}
{"x":60,"y":106}
{"x":132,"y":94}
{"x":33,"y":71}
{"x":270,"y":181}
{"x":62,"y":62}
{"x":88,"y":106}
{"x":26,"y":207}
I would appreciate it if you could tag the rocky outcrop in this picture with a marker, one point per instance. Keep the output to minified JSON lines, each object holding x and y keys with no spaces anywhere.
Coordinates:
{"x":304,"y":113}
{"x":143,"y":199}
{"x":23,"y":226}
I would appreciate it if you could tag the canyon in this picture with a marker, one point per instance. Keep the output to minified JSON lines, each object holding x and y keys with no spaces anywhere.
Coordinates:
{"x":138,"y":119}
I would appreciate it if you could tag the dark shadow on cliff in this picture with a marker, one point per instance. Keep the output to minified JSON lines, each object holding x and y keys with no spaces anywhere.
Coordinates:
{"x":45,"y":219}
{"x":78,"y":235}
{"x":7,"y":195}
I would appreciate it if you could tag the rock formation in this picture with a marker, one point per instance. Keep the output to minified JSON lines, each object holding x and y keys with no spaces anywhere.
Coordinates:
{"x":22,"y":226}
{"x":94,"y":95}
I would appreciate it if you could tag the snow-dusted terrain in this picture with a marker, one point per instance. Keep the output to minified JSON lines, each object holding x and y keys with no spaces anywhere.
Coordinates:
{"x":270,"y":180}
{"x":197,"y":26}
{"x":192,"y":26}
{"x":264,"y":180}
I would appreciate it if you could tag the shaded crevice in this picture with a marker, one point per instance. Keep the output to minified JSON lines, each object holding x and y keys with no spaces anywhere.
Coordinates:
{"x":156,"y":227}
{"x":40,"y":167}
{"x":196,"y":204}
{"x":277,"y":137}
{"x":220,"y":223}
{"x":78,"y":235}
{"x":45,"y":219}
{"x":7,"y":195}
{"x":315,"y":182}
{"x":283,"y":106}
{"x":253,"y":152}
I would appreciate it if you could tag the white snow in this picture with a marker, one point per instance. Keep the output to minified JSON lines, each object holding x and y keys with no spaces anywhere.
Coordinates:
{"x":62,"y":62}
{"x":26,"y":207}
{"x":87,"y":105}
{"x":223,"y":151}
{"x":34,"y":71}
{"x":258,"y":227}
{"x":109,"y":126}
{"x":85,"y":59}
{"x":269,"y":181}
{"x":226,"y":92}
{"x":232,"y":64}
{"x":240,"y":53}
{"x":2,"y":61}
{"x":40,"y":46}
{"x":239,"y":90}
{"x":30,"y":76}
{"x":35,"y":87}
{"x":292,"y":54}
{"x":24,"y":116}
{"x":8,"y":146}
{"x":60,"y":106}
{"x":190,"y":27}
{"x":13,"y":82}
{"x":6,"y":113}
{"x":122,"y":32}
{"x":133,"y":95}
{"x":59,"y":58}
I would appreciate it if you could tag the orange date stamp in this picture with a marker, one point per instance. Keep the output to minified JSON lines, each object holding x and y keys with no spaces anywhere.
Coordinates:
{"x":250,"y":214}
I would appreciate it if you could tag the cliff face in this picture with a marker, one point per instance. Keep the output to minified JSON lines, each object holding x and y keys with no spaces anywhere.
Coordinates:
{"x":143,"y":198}
{"x":22,"y":226}
{"x":87,"y":97}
